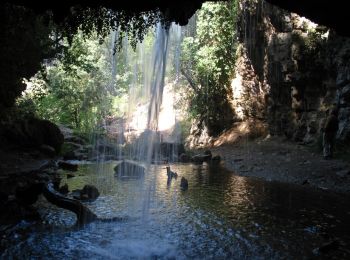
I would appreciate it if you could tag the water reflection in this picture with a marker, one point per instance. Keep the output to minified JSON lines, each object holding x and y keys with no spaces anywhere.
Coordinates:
{"x":220,"y":216}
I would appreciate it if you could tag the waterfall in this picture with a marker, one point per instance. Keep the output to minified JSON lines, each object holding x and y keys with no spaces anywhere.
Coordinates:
{"x":153,"y":69}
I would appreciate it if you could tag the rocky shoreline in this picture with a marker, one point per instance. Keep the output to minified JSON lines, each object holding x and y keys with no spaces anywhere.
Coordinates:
{"x":276,"y":159}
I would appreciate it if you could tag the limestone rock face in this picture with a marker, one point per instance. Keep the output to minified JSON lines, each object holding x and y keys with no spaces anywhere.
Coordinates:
{"x":290,"y":72}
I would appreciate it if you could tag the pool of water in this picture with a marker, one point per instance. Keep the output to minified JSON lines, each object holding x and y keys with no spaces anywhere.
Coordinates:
{"x":220,"y":216}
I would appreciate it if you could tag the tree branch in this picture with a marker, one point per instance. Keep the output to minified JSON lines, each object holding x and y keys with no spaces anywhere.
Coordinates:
{"x":190,"y":80}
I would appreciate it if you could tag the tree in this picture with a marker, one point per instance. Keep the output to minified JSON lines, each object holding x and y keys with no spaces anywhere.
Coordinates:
{"x":208,"y":58}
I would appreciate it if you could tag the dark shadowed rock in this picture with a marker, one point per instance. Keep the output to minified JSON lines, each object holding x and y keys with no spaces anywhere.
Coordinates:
{"x":200,"y":158}
{"x":3,"y":197}
{"x":343,"y":173}
{"x":216,"y":159}
{"x":68,"y":166}
{"x":64,"y":189}
{"x":327,"y":247}
{"x":48,"y":150}
{"x":171,"y":174}
{"x":70,"y":155}
{"x":35,"y":132}
{"x":184,"y":158}
{"x":306,"y":182}
{"x":13,"y":212}
{"x":28,"y":195}
{"x":89,"y":192}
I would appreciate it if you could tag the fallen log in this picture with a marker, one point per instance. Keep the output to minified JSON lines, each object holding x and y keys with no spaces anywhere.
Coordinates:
{"x":84,"y":214}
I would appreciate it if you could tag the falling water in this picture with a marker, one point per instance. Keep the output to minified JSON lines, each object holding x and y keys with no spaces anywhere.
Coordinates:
{"x":140,"y":123}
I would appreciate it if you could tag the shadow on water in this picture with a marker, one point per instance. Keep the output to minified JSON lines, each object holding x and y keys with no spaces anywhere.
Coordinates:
{"x":220,"y":216}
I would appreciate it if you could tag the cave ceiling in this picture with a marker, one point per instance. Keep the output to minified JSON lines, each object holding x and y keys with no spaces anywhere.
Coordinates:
{"x":332,"y":14}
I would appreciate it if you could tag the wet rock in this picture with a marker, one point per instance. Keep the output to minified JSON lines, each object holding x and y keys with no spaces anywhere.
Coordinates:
{"x":171,"y":174}
{"x":184,"y":158}
{"x":56,"y":182}
{"x":64,"y":189}
{"x":68,"y":166}
{"x":48,"y":150}
{"x":89,"y":192}
{"x":184,"y":184}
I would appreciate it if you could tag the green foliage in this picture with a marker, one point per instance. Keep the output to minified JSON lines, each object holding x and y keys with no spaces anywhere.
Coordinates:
{"x":87,"y":83}
{"x":101,"y":20}
{"x":208,"y":59}
{"x":76,"y":90}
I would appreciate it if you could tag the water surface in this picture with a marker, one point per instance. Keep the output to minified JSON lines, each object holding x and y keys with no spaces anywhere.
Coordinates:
{"x":221,"y":215}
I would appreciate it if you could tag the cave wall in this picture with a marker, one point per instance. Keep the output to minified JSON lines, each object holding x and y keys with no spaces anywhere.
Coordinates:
{"x":290,"y":72}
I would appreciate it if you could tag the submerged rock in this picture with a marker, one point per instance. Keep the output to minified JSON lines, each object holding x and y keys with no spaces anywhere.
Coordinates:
{"x":170,"y":173}
{"x":184,"y":184}
{"x":88,"y":193}
{"x":184,"y":158}
{"x":68,"y":166}
{"x":129,"y":170}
